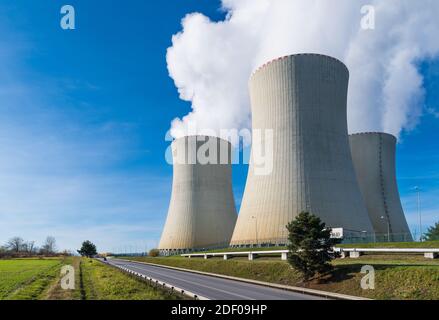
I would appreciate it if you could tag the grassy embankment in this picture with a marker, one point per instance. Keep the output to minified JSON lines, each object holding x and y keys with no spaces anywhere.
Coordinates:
{"x":397,"y":277}
{"x":39,"y":279}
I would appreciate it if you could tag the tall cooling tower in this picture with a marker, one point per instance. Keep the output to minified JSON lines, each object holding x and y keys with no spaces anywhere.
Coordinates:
{"x":202,"y":211}
{"x":302,"y":98}
{"x":374,"y":161}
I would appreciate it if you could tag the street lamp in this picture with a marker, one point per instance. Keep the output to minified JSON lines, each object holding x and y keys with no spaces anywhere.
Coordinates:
{"x":388,"y":227}
{"x":256,"y":223}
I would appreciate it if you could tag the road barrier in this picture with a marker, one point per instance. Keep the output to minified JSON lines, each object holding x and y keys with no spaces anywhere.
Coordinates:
{"x":429,"y":253}
{"x":157,"y":283}
{"x":250,"y":254}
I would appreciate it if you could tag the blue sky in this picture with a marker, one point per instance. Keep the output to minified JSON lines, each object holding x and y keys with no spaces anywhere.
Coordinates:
{"x":84,"y":114}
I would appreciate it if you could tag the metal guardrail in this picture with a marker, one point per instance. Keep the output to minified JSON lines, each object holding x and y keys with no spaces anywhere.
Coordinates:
{"x":158,"y":283}
{"x":429,"y":253}
{"x":389,"y":250}
{"x":250,"y":254}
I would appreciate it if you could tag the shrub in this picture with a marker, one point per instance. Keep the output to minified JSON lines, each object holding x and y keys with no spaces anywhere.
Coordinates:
{"x":154,"y":253}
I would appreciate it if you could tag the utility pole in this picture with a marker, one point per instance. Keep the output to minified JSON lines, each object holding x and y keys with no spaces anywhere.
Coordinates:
{"x":388,"y":227}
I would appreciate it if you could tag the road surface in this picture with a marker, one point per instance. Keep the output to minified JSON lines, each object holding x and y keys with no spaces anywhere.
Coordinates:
{"x":212,"y":287}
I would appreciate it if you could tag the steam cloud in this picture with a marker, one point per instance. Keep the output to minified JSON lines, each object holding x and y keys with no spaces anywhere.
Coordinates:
{"x":211,"y":62}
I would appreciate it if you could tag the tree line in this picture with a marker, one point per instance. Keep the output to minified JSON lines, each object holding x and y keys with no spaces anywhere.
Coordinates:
{"x":18,"y":247}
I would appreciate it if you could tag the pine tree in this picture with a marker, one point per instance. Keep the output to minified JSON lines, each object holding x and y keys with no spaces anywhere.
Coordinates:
{"x":88,"y":249}
{"x":433,"y":233}
{"x":310,"y":248}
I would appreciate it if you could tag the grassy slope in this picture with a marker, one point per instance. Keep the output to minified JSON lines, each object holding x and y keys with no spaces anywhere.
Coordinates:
{"x":397,"y":277}
{"x":27,"y":279}
{"x":101,"y":282}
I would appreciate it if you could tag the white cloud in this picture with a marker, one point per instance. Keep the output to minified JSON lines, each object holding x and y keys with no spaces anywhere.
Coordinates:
{"x":211,"y":62}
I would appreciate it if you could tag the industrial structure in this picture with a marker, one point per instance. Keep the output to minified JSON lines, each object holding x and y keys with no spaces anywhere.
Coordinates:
{"x":202,"y":211}
{"x":374,"y":162}
{"x":302,"y":100}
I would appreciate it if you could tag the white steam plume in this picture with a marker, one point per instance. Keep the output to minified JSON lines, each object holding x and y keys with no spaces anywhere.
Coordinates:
{"x":211,"y":62}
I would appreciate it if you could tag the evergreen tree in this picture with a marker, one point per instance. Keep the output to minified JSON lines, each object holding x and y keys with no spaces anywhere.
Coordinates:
{"x":88,"y":249}
{"x":433,"y":233}
{"x":310,"y":245}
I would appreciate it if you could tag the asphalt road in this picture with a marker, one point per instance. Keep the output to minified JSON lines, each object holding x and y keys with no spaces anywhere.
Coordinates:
{"x":212,"y":287}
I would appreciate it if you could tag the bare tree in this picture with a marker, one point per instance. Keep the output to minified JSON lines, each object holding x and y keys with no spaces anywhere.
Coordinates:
{"x":30,"y":246}
{"x":15,"y":244}
{"x":49,"y":246}
{"x":3,"y":251}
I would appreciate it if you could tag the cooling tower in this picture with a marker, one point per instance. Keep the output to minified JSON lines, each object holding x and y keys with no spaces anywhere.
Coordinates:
{"x":202,"y":211}
{"x":302,"y":99}
{"x":374,"y":162}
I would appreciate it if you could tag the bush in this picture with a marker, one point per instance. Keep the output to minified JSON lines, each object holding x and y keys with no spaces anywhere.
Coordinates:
{"x":154,"y":253}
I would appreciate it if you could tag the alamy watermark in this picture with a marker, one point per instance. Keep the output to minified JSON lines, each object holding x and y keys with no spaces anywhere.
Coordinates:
{"x":368,"y":19}
{"x":68,"y":19}
{"x":204,"y":147}
{"x":368,"y":281}
{"x":68,"y":277}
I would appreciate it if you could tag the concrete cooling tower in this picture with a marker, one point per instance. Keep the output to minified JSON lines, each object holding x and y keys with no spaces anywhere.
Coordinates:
{"x":202,"y":211}
{"x":302,"y":99}
{"x":374,"y":161}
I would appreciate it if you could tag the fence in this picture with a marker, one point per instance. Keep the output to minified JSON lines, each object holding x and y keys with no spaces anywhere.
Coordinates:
{"x":429,"y":253}
{"x":349,"y":238}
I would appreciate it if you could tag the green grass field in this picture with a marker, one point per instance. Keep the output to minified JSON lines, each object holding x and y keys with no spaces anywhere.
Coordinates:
{"x":39,"y":279}
{"x":102,"y":282}
{"x":26,"y":279}
{"x":397,"y":276}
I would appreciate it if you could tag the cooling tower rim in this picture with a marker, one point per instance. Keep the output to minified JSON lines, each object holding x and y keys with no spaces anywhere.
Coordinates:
{"x":374,"y":133}
{"x":199,"y":135}
{"x":260,"y":68}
